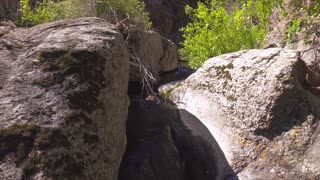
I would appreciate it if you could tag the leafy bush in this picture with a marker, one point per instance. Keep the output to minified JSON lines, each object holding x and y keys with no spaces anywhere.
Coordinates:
{"x":129,"y":12}
{"x":302,"y":14}
{"x":293,"y":28}
{"x":214,"y":30}
{"x":46,"y":11}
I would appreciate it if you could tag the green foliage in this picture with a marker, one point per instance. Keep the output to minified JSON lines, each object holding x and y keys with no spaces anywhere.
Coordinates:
{"x":294,"y":28}
{"x":129,"y":12}
{"x":302,"y":15}
{"x":312,"y":9}
{"x":214,"y":30}
{"x":46,"y":11}
{"x":133,"y":10}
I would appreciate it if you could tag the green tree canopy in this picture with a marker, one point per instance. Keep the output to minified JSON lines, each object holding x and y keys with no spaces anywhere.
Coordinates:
{"x":217,"y":27}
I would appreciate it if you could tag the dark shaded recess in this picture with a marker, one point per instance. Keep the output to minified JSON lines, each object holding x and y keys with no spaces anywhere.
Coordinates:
{"x":197,"y":154}
{"x":135,"y":89}
{"x":287,"y":116}
{"x":161,"y":147}
{"x":180,"y":73}
{"x":150,"y":153}
{"x":199,"y":151}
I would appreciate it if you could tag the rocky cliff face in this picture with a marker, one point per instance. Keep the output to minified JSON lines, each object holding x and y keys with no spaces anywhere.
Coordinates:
{"x":63,"y":101}
{"x":257,"y":105}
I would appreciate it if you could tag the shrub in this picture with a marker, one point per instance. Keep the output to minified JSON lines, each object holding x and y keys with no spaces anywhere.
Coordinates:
{"x":46,"y":11}
{"x":128,"y":12}
{"x":301,"y":14}
{"x":214,"y":30}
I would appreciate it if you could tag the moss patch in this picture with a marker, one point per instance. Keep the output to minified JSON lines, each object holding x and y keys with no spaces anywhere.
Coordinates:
{"x":166,"y":94}
{"x":88,"y":69}
{"x":67,"y":62}
{"x":17,"y":139}
{"x":30,"y":145}
{"x":45,"y":81}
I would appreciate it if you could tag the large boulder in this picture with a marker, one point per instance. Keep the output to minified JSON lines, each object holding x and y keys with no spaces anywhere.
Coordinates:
{"x":257,"y":105}
{"x":63,"y":101}
{"x":146,"y":50}
{"x":150,"y":55}
{"x":169,"y":60}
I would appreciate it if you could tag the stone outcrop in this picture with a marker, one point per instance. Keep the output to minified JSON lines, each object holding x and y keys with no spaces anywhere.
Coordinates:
{"x":169,"y":59}
{"x":146,"y":50}
{"x":63,"y":101}
{"x":150,"y":55}
{"x":257,"y":105}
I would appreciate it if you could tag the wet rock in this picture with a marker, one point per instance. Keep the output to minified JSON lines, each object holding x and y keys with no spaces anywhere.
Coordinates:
{"x":63,"y":101}
{"x":257,"y":105}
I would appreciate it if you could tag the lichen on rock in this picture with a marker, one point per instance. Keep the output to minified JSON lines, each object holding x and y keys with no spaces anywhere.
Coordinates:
{"x":64,"y":99}
{"x":258,"y":106}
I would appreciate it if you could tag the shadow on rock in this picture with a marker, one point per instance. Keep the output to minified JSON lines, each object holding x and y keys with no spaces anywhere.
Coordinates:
{"x":151,"y":153}
{"x":292,"y":107}
{"x":161,"y":147}
{"x":201,"y":153}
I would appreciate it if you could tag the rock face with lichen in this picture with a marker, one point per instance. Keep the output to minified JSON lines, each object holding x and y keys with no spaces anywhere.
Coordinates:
{"x":63,"y":101}
{"x":258,"y":106}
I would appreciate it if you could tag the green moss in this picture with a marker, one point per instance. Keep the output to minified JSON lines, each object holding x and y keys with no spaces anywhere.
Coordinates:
{"x":223,"y":73}
{"x":232,"y":98}
{"x":49,"y":56}
{"x":18,"y":139}
{"x":51,"y":138}
{"x":67,"y":62}
{"x":89,"y":68}
{"x":45,"y":81}
{"x":230,"y":66}
{"x":166,"y":94}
